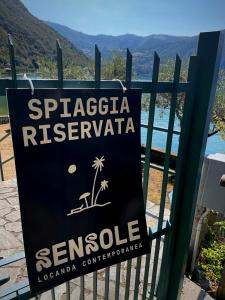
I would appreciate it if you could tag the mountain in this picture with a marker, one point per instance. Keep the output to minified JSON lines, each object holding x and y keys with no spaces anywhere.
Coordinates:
{"x":142,"y":48}
{"x":33,"y":39}
{"x":163,"y":43}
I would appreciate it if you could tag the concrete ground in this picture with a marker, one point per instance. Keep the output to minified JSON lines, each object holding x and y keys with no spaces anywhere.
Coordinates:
{"x":192,"y":291}
{"x":11,"y":242}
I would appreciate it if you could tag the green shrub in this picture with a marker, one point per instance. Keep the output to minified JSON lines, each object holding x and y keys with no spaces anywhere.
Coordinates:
{"x":211,"y":261}
{"x":212,"y":254}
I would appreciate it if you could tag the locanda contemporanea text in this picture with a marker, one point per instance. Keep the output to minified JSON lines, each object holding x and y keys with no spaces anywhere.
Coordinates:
{"x":112,"y":119}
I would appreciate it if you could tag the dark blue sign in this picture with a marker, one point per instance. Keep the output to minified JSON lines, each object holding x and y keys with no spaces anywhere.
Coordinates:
{"x":78,"y":164}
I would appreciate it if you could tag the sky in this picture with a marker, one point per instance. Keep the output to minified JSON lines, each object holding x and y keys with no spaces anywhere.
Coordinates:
{"x":141,"y":17}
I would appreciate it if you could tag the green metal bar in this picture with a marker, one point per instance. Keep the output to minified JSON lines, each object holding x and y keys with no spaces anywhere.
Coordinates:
{"x":128,"y":69}
{"x":53,"y":294}
{"x":166,"y":170}
{"x":1,"y":168}
{"x":155,"y":268}
{"x":11,"y":259}
{"x":5,"y":161}
{"x":10,"y":292}
{"x":146,"y":86}
{"x":97,"y":67}
{"x":161,"y":129}
{"x":67,"y":290}
{"x":166,"y":268}
{"x":157,"y":167}
{"x":185,"y":127}
{"x":107,"y":272}
{"x":127,"y":288}
{"x":137,"y":278}
{"x":166,"y":228}
{"x":12,"y":60}
{"x":169,"y":140}
{"x":117,"y":286}
{"x":59,"y":64}
{"x":128,"y":82}
{"x":82,"y":288}
{"x":22,"y":292}
{"x":97,"y":85}
{"x":165,"y":130}
{"x":155,"y":76}
{"x":191,"y":153}
{"x":163,"y":280}
{"x":4,"y":280}
{"x":95,"y":285}
{"x":147,"y":267}
{"x":5,"y":136}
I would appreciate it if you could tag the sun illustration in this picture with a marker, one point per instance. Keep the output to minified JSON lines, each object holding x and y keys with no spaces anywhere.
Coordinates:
{"x":72,"y":169}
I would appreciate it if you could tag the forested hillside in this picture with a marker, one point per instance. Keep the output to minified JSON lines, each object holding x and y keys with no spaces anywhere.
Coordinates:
{"x":34,"y":41}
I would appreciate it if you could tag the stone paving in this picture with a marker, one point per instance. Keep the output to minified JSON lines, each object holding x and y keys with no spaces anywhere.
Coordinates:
{"x":11,"y":242}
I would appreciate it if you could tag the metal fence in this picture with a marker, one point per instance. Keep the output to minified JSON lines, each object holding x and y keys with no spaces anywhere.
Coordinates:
{"x":170,"y":238}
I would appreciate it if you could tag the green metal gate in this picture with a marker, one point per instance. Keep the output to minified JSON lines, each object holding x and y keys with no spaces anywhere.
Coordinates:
{"x":159,"y":274}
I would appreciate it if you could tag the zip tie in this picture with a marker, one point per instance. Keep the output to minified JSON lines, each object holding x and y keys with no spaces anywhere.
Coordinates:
{"x":30,"y":82}
{"x":123,"y":87}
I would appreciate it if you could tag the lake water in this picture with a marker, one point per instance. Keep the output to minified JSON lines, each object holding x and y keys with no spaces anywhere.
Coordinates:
{"x":214,"y":144}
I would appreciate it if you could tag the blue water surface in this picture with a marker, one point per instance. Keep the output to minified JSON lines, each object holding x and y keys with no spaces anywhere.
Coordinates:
{"x":214,"y":144}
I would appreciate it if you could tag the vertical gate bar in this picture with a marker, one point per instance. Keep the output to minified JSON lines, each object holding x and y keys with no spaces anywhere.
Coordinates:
{"x":59,"y":64}
{"x":97,"y":86}
{"x":95,"y":285}
{"x":97,"y":67}
{"x":107,"y":270}
{"x":147,"y":267}
{"x":1,"y":167}
{"x":12,"y":60}
{"x":193,"y":147}
{"x":82,"y":287}
{"x":166,"y":170}
{"x":53,"y":294}
{"x":117,"y":287}
{"x":128,"y":69}
{"x":163,"y":272}
{"x":155,"y":75}
{"x":128,"y":83}
{"x":137,"y":278}
{"x":187,"y":111}
{"x":169,"y":140}
{"x":188,"y":104}
{"x":67,"y":290}
{"x":127,"y":290}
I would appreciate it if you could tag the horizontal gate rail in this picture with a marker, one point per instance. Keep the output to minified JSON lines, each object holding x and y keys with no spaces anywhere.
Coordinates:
{"x":146,"y":86}
{"x":163,"y":129}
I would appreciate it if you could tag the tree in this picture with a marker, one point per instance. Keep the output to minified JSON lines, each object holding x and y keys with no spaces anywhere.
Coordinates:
{"x":218,"y":114}
{"x":48,"y":69}
{"x":163,"y":100}
{"x":115,"y":68}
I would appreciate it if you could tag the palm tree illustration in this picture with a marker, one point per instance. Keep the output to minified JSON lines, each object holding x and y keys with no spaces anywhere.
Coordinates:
{"x":104,"y":185}
{"x":97,"y":165}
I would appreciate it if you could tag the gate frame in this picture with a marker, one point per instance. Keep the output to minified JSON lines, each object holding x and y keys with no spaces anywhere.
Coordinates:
{"x":200,"y":94}
{"x":203,"y":74}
